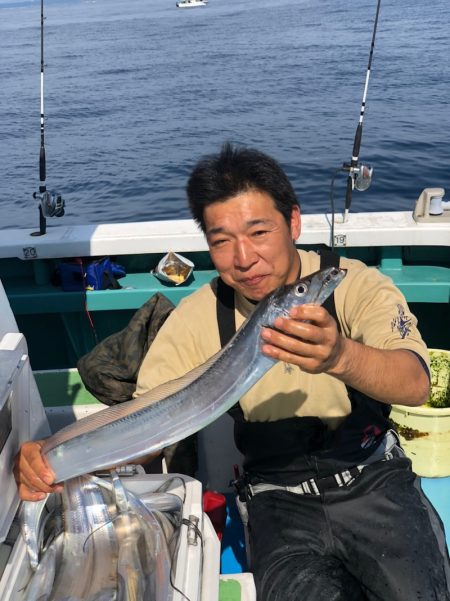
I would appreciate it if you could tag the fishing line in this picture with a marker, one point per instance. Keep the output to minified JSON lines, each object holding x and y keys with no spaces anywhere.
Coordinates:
{"x":359,"y":176}
{"x":189,"y":524}
{"x":107,"y":523}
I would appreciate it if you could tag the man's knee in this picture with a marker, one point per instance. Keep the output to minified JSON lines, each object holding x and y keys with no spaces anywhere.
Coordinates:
{"x":307,"y":578}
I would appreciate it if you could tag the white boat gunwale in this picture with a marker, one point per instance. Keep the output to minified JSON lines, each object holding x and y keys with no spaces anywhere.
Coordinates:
{"x":397,"y":228}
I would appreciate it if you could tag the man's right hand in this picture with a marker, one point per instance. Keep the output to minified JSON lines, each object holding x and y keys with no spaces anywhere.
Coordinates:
{"x":34,"y":477}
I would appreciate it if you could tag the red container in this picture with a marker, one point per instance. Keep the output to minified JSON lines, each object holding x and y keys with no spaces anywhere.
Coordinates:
{"x":215,"y":506}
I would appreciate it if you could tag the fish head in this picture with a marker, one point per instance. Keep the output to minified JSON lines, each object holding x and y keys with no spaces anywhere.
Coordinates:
{"x":312,"y":289}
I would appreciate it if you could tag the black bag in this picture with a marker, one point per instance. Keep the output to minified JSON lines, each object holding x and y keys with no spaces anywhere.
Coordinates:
{"x":109,"y":371}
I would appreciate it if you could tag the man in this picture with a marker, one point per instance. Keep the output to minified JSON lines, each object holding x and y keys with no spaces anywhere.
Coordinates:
{"x":335,"y":512}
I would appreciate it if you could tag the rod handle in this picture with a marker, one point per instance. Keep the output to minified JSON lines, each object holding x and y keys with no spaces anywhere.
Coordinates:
{"x":42,"y":169}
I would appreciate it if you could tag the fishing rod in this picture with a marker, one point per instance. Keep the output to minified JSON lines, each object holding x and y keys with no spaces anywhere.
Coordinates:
{"x":360,"y":176}
{"x":51,"y":204}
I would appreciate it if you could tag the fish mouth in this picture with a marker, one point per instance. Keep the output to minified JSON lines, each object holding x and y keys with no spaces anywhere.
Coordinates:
{"x":337,"y":272}
{"x":334,"y":273}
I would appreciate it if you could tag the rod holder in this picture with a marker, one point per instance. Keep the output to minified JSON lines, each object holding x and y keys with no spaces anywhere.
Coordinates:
{"x":431,"y":208}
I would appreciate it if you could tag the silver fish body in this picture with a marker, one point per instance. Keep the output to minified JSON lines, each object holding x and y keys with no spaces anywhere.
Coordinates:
{"x":159,"y":564}
{"x":89,"y":556}
{"x":162,"y":502}
{"x":173,"y":411}
{"x":74,"y":562}
{"x":41,"y":584}
{"x":31,"y":515}
{"x":144,"y":563}
{"x":113,"y":547}
{"x":104,"y":544}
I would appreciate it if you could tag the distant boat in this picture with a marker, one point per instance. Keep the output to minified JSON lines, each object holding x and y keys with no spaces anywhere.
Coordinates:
{"x":191,"y":3}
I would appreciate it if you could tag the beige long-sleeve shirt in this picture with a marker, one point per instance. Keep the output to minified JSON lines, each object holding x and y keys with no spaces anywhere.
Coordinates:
{"x":370,"y":310}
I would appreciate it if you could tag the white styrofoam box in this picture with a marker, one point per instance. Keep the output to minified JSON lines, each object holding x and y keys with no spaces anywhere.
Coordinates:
{"x":15,"y":572}
{"x":22,"y":417}
{"x":13,"y":392}
{"x":211,"y":562}
{"x":197,"y":563}
{"x":14,"y":428}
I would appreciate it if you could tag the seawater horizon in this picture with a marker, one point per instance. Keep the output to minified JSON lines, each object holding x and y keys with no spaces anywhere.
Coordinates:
{"x":137,"y":91}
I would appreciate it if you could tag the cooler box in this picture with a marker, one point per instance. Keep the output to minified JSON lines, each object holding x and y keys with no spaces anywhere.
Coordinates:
{"x":22,"y":417}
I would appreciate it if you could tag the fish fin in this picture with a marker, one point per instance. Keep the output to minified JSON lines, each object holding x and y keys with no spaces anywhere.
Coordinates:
{"x":169,"y":388}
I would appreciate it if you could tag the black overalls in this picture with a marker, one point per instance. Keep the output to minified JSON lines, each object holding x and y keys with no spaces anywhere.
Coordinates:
{"x":333,"y":518}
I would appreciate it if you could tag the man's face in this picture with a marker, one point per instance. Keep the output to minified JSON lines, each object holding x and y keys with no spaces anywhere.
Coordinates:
{"x":251,"y":244}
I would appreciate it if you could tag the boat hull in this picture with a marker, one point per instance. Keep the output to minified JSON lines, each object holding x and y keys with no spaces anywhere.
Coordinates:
{"x":191,"y":3}
{"x":62,"y":326}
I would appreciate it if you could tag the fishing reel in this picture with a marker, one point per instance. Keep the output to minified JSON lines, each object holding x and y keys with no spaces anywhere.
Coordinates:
{"x":360,"y":175}
{"x":359,"y":178}
{"x":51,"y":203}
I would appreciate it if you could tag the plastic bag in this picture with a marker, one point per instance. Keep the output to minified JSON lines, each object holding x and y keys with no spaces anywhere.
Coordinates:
{"x":174,"y":268}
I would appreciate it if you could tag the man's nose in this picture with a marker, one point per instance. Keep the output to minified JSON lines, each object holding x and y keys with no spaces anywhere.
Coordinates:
{"x":245,"y":255}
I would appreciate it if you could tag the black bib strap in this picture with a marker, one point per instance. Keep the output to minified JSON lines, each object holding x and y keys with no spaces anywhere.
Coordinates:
{"x":225,"y":312}
{"x":226,"y":319}
{"x":329,"y":259}
{"x":227,"y":326}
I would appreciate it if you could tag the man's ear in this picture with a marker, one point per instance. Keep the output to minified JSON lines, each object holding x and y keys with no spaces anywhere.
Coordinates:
{"x":296,"y":223}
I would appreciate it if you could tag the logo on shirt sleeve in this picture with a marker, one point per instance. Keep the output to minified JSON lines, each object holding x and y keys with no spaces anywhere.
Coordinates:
{"x":401,"y":323}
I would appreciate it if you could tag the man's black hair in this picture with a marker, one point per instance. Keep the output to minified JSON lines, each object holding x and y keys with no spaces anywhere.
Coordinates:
{"x":219,"y":177}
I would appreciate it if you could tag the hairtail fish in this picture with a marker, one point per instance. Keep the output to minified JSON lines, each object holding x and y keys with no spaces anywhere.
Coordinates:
{"x":173,"y":411}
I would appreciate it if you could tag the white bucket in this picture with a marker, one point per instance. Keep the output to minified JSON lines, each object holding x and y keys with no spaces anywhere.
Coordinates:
{"x":425,"y":437}
{"x":425,"y":434}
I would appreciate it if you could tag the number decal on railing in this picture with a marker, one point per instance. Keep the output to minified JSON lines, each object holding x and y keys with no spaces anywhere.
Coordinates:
{"x":29,"y":252}
{"x":340,"y":240}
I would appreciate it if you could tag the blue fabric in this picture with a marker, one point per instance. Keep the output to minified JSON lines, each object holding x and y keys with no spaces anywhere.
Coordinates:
{"x":91,"y":274}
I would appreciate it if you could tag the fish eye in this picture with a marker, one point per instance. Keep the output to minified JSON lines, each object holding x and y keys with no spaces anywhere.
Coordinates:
{"x":301,"y":290}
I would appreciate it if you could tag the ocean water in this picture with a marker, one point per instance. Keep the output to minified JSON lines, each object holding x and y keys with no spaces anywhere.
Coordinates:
{"x":137,"y":90}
